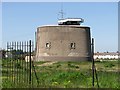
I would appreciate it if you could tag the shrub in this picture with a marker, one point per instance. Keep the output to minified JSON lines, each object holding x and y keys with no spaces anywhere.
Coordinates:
{"x":109,"y":65}
{"x":17,"y":65}
{"x":72,"y":65}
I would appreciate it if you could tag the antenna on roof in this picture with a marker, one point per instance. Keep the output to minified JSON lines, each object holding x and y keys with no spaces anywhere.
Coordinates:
{"x":61,"y":12}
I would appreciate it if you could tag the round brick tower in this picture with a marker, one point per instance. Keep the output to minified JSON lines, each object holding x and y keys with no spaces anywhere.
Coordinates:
{"x":67,"y":41}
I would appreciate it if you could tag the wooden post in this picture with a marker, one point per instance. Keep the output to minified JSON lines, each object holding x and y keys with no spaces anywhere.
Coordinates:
{"x":93,"y":66}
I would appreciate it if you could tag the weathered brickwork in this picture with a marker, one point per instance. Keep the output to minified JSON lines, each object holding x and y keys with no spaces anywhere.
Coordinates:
{"x":66,"y":42}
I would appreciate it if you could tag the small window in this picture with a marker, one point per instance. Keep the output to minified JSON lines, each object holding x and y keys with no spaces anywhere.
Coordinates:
{"x":48,"y":45}
{"x":72,"y":45}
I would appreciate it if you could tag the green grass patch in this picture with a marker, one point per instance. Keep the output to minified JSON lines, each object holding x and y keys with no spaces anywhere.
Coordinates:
{"x":60,"y":75}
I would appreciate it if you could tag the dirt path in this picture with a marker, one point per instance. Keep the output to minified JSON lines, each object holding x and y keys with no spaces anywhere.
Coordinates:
{"x":47,"y":63}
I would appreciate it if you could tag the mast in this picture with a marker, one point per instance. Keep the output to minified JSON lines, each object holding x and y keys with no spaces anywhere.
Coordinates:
{"x":61,"y":12}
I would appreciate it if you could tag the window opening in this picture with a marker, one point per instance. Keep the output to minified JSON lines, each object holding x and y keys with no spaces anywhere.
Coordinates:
{"x":48,"y":45}
{"x":72,"y":46}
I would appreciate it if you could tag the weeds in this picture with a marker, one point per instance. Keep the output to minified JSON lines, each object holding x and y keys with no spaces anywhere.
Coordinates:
{"x":65,"y":75}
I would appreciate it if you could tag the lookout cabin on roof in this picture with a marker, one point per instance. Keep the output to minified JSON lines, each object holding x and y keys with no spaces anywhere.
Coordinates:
{"x":70,"y":21}
{"x":67,"y":41}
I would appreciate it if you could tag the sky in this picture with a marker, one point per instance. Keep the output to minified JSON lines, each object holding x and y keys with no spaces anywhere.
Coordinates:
{"x":0,"y":26}
{"x":118,"y":27}
{"x":20,"y":20}
{"x":59,"y":0}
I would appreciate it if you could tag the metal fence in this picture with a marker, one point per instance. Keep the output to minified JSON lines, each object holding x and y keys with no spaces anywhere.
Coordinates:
{"x":18,"y":63}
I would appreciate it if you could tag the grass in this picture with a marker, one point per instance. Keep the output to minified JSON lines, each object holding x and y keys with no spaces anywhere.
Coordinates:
{"x":60,"y":75}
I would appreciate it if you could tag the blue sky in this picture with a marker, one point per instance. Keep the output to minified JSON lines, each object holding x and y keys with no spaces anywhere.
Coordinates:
{"x":20,"y":20}
{"x":0,"y":25}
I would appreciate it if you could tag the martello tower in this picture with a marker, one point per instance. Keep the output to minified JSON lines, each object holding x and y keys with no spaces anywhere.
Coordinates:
{"x":63,"y":42}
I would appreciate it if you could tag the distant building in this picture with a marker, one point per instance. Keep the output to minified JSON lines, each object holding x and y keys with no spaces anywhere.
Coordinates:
{"x":106,"y":55}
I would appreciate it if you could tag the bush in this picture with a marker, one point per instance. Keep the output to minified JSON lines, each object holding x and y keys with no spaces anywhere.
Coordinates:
{"x":72,"y":65}
{"x":17,"y":65}
{"x":109,"y":65}
{"x":58,"y":65}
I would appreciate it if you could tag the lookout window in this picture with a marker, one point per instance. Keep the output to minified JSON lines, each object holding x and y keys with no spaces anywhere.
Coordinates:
{"x":72,"y":45}
{"x":48,"y":45}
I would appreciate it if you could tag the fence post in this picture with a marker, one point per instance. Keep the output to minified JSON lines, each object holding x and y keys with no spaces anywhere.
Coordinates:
{"x":30,"y":61}
{"x":93,"y":66}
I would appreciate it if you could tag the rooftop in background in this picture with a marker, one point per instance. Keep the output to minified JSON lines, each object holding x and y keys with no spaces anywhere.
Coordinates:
{"x":107,"y":53}
{"x":70,"y":21}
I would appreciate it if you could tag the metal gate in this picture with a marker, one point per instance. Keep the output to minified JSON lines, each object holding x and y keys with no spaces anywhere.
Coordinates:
{"x":19,"y":64}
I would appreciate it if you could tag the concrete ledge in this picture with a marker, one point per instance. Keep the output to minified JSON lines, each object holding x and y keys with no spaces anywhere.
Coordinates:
{"x":62,"y":58}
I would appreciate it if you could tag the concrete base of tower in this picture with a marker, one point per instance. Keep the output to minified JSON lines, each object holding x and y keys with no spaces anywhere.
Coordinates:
{"x":62,"y":58}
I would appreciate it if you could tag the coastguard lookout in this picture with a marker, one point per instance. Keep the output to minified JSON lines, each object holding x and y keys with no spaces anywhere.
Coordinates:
{"x":67,"y":41}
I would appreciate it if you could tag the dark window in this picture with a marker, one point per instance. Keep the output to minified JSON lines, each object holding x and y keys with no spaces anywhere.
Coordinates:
{"x":48,"y":45}
{"x":72,"y":45}
{"x":70,"y":23}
